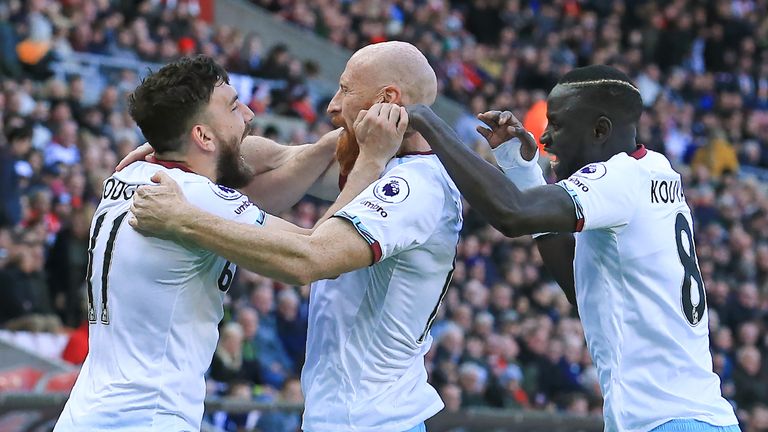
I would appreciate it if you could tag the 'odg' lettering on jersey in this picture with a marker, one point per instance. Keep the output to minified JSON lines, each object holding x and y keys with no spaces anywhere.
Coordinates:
{"x":666,"y":191}
{"x":115,"y":189}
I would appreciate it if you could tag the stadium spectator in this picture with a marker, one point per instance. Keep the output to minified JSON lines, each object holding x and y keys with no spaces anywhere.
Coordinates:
{"x":284,"y":421}
{"x":291,"y":325}
{"x":749,"y":378}
{"x":228,"y":364}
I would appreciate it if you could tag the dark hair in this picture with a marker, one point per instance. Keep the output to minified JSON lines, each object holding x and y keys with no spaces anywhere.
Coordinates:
{"x":609,"y":87}
{"x":20,"y":133}
{"x":167,"y":102}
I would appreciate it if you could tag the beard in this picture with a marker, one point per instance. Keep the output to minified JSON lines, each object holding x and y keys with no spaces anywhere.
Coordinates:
{"x":347,"y":148}
{"x":231,"y":169}
{"x":347,"y":151}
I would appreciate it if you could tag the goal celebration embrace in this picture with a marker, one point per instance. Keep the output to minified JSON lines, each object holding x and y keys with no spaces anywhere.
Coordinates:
{"x":383,"y":216}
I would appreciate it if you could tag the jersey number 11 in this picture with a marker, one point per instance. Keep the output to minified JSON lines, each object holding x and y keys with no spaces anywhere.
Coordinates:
{"x":105,"y":264}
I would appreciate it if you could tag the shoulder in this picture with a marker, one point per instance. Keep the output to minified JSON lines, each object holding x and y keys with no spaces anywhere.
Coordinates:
{"x":207,"y":191}
{"x":621,"y":174}
{"x":223,"y":201}
{"x":624,"y":167}
{"x":421,"y":174}
{"x":145,"y":170}
{"x":421,"y":167}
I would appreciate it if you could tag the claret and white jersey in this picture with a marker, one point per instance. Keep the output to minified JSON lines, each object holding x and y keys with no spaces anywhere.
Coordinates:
{"x":369,"y":329}
{"x":154,"y":308}
{"x":641,"y":296}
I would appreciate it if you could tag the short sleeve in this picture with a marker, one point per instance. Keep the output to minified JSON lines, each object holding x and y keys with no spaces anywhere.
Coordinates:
{"x":604,"y":194}
{"x":224,"y":202}
{"x":398,"y":212}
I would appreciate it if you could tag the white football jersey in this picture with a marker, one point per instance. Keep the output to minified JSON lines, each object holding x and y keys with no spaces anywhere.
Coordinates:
{"x":369,"y":329}
{"x":154,"y":307}
{"x":640,"y":294}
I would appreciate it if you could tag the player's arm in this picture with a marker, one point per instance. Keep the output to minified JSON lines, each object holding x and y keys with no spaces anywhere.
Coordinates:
{"x":547,"y":208}
{"x":333,"y":248}
{"x":557,"y":251}
{"x":284,"y":174}
{"x":517,"y":155}
{"x":290,"y":170}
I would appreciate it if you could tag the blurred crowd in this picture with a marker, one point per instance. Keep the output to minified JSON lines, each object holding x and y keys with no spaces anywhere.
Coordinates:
{"x":702,"y":67}
{"x":35,"y":33}
{"x":506,"y":336}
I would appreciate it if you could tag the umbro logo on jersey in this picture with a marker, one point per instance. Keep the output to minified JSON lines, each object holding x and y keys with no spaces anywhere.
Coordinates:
{"x":592,"y":171}
{"x":225,"y":192}
{"x":375,"y":207}
{"x":392,"y":190}
{"x":579,"y":184}
{"x":243,"y":206}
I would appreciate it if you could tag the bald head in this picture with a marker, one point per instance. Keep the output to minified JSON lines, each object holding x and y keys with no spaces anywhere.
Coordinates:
{"x":396,"y":63}
{"x":394,"y":72}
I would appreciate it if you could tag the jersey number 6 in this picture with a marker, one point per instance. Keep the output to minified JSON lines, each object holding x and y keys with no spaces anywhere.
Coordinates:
{"x":693,"y":312}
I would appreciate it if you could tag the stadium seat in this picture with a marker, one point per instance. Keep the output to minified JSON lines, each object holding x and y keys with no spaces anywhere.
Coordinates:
{"x":61,"y":383}
{"x":19,"y":379}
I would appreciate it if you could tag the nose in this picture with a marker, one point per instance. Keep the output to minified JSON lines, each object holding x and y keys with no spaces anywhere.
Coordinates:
{"x":545,"y":138}
{"x":334,"y":106}
{"x":248,"y":115}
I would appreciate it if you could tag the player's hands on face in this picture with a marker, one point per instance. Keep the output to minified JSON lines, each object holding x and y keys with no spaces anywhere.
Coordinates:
{"x":158,"y":210}
{"x":379,"y":131}
{"x":142,"y":152}
{"x":503,"y":127}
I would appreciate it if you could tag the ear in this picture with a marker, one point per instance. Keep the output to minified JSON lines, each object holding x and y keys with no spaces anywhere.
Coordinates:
{"x":603,"y":129}
{"x":203,"y":138}
{"x":392,"y":94}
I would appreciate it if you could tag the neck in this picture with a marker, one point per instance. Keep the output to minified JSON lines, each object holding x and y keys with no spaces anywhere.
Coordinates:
{"x":623,"y":147}
{"x":414,"y":143}
{"x":625,"y":141}
{"x":195,"y":163}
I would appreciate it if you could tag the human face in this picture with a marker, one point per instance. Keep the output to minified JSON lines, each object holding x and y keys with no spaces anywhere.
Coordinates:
{"x":230,"y":120}
{"x":354,"y":94}
{"x":568,"y":135}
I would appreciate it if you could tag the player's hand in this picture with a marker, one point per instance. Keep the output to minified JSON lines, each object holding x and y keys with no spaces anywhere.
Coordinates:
{"x":503,"y":127}
{"x":142,"y":152}
{"x":159,"y":209}
{"x":379,"y":131}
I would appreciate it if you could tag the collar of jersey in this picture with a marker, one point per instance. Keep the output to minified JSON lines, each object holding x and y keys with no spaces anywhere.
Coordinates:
{"x":640,"y":152}
{"x":415,"y":153}
{"x":170,"y":164}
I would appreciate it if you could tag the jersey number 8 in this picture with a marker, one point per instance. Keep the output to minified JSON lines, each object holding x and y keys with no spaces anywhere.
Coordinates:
{"x":693,"y":312}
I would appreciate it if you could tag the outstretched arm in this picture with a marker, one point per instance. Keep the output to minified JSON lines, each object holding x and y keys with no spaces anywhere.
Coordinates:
{"x":516,"y":153}
{"x":275,"y":250}
{"x":285,"y":173}
{"x":546,"y":208}
{"x":282,"y":174}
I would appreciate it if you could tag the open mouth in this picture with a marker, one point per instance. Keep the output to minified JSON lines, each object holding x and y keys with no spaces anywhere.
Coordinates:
{"x":553,"y":160}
